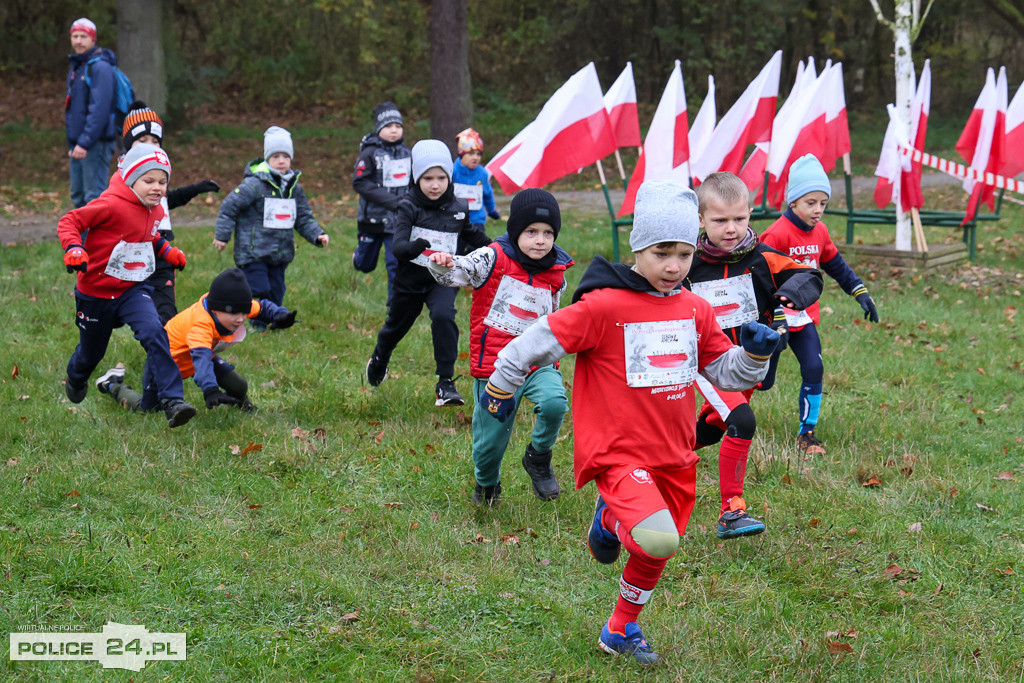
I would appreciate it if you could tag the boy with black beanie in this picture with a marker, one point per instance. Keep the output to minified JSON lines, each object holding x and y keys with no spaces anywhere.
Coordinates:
{"x":430,"y":218}
{"x":381,"y":178}
{"x":213,"y":323}
{"x":516,"y":280}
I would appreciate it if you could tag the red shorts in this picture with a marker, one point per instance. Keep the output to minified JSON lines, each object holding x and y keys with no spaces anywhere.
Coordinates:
{"x":718,"y":404}
{"x":634,"y":493}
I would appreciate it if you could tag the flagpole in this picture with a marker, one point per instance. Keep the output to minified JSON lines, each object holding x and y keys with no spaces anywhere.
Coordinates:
{"x":915,"y":217}
{"x":622,"y":170}
{"x":611,"y":210}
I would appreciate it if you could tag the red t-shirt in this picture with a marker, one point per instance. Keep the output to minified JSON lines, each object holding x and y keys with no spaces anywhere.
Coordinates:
{"x":650,"y":423}
{"x":810,"y":248}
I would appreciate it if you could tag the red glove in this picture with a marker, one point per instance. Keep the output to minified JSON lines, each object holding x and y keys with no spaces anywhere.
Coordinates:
{"x":76,"y":258}
{"x":175,"y":256}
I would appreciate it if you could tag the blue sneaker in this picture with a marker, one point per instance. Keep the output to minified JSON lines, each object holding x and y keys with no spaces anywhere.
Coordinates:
{"x":632,"y":643}
{"x":604,"y":546}
{"x":735,"y":521}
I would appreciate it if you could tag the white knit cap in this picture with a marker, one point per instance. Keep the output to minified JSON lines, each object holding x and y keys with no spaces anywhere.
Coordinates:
{"x":426,"y":154}
{"x":142,"y":158}
{"x":664,"y":212}
{"x":277,"y":139}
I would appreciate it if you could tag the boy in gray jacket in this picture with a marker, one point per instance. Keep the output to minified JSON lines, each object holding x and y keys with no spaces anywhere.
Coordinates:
{"x":262,"y":212}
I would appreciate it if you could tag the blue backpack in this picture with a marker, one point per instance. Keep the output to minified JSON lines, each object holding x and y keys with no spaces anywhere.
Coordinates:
{"x":124,"y":93}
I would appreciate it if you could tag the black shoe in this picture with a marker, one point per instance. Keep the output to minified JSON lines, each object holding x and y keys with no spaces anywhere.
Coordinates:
{"x":376,"y":370}
{"x":76,"y":394}
{"x":247,"y":406}
{"x":178,"y":412}
{"x":447,"y":394}
{"x":487,"y":494}
{"x":538,"y":465}
{"x":112,"y":376}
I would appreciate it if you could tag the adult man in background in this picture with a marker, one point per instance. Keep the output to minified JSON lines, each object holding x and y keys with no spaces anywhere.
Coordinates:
{"x":89,"y":113}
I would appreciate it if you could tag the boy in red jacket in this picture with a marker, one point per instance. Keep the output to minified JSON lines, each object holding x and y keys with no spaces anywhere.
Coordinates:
{"x":117,"y":255}
{"x":641,"y":340}
{"x":743,"y":280}
{"x":517,"y":279}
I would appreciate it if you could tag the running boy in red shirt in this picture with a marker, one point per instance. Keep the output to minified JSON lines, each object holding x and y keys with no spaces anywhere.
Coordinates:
{"x":641,"y":340}
{"x":800,"y":234}
{"x":743,"y":280}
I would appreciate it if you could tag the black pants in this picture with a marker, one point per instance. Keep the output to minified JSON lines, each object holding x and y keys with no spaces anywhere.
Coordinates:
{"x":162,"y":282}
{"x":406,"y":307}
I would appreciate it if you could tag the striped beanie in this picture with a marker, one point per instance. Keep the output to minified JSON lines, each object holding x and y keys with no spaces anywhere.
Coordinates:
{"x":86,"y":26}
{"x":141,"y":120}
{"x":143,"y":158}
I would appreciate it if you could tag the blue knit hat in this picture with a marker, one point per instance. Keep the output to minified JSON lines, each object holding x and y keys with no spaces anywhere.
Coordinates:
{"x":807,"y":175}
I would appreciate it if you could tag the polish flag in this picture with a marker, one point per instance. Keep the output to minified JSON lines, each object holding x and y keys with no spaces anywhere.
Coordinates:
{"x":571,"y":131}
{"x":494,"y":167}
{"x":749,"y":121}
{"x":1014,"y":145}
{"x":893,"y":166}
{"x":620,"y":102}
{"x":983,"y":139}
{"x":704,"y":125}
{"x":666,"y":151}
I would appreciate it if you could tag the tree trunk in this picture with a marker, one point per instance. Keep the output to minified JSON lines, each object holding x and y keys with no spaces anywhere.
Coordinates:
{"x":140,"y":50}
{"x":904,"y":64}
{"x":451,"y":103}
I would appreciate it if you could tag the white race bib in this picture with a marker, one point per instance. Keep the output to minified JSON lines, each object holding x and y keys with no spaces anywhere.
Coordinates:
{"x":447,"y":242}
{"x":131,"y":261}
{"x":278,"y":213}
{"x":473,"y":194}
{"x":396,"y":172}
{"x":732,"y":299}
{"x":165,"y":222}
{"x":660,"y":353}
{"x":797,"y":318}
{"x":516,"y":306}
{"x":222,"y":344}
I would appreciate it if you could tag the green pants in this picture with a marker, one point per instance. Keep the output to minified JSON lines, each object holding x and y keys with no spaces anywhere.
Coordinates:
{"x":545,"y":390}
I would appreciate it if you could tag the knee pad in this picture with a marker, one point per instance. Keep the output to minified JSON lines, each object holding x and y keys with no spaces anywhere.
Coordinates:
{"x":741,"y":422}
{"x":657,"y":535}
{"x":707,"y":434}
{"x":234,"y":384}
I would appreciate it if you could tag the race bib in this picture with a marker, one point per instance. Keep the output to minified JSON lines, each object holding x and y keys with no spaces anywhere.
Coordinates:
{"x":237,"y":337}
{"x":396,"y":172}
{"x":732,"y":299}
{"x":473,"y":194}
{"x":660,"y":353}
{"x":165,"y":222}
{"x":278,"y":213}
{"x":516,"y":306}
{"x":797,"y":318}
{"x":447,"y":242}
{"x":131,"y":261}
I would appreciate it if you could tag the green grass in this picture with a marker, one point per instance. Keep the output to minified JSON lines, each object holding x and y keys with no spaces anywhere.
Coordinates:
{"x":260,"y":556}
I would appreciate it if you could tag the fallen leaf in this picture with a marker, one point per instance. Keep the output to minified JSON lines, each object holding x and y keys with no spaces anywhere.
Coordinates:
{"x":11,"y":462}
{"x":253,"y":447}
{"x":24,"y":397}
{"x":914,"y":528}
{"x":906,"y":471}
{"x":545,"y":562}
{"x":393,"y":504}
{"x":985,"y":507}
{"x":872,"y":481}
{"x":1008,"y":570}
{"x":981,"y":371}
{"x":235,"y":449}
{"x":814,"y":523}
{"x":938,"y":590}
{"x":15,"y":371}
{"x":836,"y":647}
{"x":892,"y":571}
{"x":1004,"y":476}
{"x":379,"y":437}
{"x":72,"y":493}
{"x":414,"y":526}
{"x":299,"y":433}
{"x":852,"y":531}
{"x":464,"y":355}
{"x":255,"y":506}
{"x":510,"y":539}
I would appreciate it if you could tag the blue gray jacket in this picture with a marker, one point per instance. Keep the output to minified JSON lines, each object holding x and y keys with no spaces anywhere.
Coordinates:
{"x":242,"y":214}
{"x":89,"y":111}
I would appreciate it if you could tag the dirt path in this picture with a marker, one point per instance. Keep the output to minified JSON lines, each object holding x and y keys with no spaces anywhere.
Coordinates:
{"x":35,"y":228}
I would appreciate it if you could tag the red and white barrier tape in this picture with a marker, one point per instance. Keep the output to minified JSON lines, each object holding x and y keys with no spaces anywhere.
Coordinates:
{"x":960,"y":171}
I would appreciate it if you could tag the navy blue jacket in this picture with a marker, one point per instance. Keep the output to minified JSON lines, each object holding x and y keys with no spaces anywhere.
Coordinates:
{"x":89,"y":111}
{"x":377,"y":204}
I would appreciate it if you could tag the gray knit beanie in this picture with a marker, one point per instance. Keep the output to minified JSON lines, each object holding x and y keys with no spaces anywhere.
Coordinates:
{"x":426,"y":154}
{"x":142,"y":158}
{"x":664,"y":212}
{"x":277,"y":139}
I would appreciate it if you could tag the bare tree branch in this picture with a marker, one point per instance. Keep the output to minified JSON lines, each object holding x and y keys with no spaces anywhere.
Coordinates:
{"x":881,"y":17}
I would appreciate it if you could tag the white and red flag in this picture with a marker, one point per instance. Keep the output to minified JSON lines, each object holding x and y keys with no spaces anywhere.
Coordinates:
{"x":494,"y":167}
{"x":666,"y":150}
{"x":1013,"y":163}
{"x":704,"y":123}
{"x":620,"y":102}
{"x":747,"y":122}
{"x":571,"y":131}
{"x":982,"y":141}
{"x":893,"y":166}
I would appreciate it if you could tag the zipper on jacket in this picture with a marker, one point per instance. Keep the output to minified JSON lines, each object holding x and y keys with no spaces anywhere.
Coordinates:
{"x":483,"y":346}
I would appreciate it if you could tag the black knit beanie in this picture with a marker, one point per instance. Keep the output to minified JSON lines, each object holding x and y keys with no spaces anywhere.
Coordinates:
{"x":384,"y":114}
{"x":230,"y":292}
{"x":533,"y":205}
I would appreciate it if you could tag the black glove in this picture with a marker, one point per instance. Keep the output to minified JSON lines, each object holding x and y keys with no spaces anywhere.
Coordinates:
{"x":779,"y":325}
{"x":215,"y":397}
{"x":208,"y":185}
{"x":283,"y":320}
{"x":494,"y":215}
{"x":420,"y":244}
{"x":868,"y":304}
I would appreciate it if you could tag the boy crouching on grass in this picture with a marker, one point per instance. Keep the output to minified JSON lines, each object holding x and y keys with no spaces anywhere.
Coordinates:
{"x":641,"y":340}
{"x":208,"y":326}
{"x":113,"y":242}
{"x":516,"y":280}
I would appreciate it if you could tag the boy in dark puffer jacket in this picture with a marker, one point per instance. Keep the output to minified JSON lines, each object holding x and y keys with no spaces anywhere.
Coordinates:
{"x":430,"y":218}
{"x":261,"y":213}
{"x":381,"y":178}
